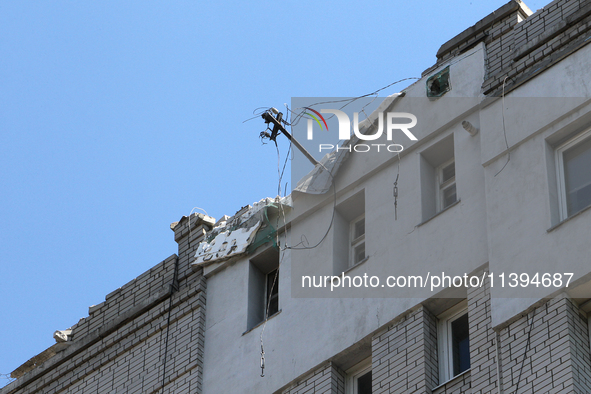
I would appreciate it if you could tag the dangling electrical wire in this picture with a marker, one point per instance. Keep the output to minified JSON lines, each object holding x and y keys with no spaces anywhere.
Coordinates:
{"x":395,"y":192}
{"x":280,"y":129}
{"x":280,"y":173}
{"x":266,"y":135}
{"x":531,"y":326}
{"x":349,"y":100}
{"x":257,"y":112}
{"x":287,"y":155}
{"x":174,"y":286}
{"x":504,"y":130}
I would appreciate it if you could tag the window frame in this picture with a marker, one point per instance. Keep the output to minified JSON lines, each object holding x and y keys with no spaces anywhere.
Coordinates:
{"x":354,"y":242}
{"x":262,"y":264}
{"x":354,"y":373}
{"x":445,"y":341}
{"x":561,"y":178}
{"x":442,"y":185}
{"x":274,"y":293}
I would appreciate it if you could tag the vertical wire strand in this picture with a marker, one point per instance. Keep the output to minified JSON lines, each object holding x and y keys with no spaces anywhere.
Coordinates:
{"x":174,"y":286}
{"x":504,"y":129}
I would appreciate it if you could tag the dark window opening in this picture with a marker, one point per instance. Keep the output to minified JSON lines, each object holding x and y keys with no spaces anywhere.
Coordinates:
{"x":364,"y":384}
{"x":460,"y":345}
{"x":272,"y":299}
{"x":439,"y":84}
{"x":263,"y":287}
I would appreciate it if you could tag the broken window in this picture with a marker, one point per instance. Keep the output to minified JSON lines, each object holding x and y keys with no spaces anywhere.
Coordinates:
{"x":438,"y":84}
{"x":272,"y":290}
{"x":263,"y":286}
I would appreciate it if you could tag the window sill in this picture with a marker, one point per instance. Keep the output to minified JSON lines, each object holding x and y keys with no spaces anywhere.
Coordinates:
{"x":568,"y":219}
{"x":261,"y":323}
{"x":346,"y":272}
{"x":457,"y":377}
{"x":439,"y":213}
{"x":355,"y":266}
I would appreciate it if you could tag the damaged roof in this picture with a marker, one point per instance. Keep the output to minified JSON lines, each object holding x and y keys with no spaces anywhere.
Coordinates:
{"x":249,"y":228}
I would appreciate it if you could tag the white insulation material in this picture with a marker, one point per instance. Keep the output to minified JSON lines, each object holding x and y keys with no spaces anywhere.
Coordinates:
{"x":226,"y":245}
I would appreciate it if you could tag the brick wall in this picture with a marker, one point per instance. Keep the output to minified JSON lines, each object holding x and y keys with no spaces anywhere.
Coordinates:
{"x":528,"y":48}
{"x":459,"y":385}
{"x":188,"y":238}
{"x":327,"y":379}
{"x":404,"y":355}
{"x":558,"y":357}
{"x":126,"y":297}
{"x":518,"y":46}
{"x":121,"y":346}
{"x":491,"y":30}
{"x":483,"y":343}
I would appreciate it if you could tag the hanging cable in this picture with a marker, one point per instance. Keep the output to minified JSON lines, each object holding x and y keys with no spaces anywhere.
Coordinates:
{"x":278,"y":129}
{"x":271,"y":134}
{"x":504,"y":129}
{"x":531,"y":325}
{"x":349,"y":100}
{"x":281,"y":251}
{"x":260,"y":110}
{"x":334,"y":208}
{"x":395,"y":192}
{"x":257,"y":112}
{"x":174,"y":287}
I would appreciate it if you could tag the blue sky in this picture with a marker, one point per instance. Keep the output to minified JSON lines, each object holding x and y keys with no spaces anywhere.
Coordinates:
{"x":118,"y":117}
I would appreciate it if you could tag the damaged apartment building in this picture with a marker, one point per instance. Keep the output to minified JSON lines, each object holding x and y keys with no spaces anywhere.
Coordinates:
{"x":495,"y":191}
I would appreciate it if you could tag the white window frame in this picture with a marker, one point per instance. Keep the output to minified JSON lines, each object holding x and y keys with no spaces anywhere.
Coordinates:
{"x":354,"y":373}
{"x":441,"y":186}
{"x":445,"y":341}
{"x":562,"y":199}
{"x":355,"y":242}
